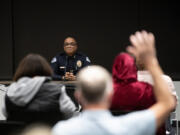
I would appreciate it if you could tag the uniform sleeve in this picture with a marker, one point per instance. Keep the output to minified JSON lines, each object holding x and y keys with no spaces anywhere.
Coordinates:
{"x":86,"y":61}
{"x":140,"y":123}
{"x":55,"y":67}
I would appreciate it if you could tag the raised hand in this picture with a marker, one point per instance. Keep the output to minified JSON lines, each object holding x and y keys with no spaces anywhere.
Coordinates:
{"x":143,"y":46}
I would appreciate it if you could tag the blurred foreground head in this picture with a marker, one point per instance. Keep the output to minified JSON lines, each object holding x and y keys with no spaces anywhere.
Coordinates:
{"x":37,"y":129}
{"x":94,"y":85}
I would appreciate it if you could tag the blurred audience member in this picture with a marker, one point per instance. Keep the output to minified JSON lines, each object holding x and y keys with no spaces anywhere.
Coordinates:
{"x":33,"y":97}
{"x":145,"y":76}
{"x":129,"y":93}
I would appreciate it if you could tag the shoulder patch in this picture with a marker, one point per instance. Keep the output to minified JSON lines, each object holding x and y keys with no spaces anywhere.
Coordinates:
{"x":79,"y":63}
{"x":53,"y":60}
{"x":88,"y":60}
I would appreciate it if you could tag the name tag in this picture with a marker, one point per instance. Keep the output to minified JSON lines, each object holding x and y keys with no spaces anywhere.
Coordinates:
{"x":62,"y":67}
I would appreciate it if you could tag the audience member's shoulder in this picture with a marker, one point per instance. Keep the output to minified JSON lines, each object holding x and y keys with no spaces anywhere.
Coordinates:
{"x":68,"y":127}
{"x":144,"y":115}
{"x":144,"y":120}
{"x":167,"y":78}
{"x":52,"y":85}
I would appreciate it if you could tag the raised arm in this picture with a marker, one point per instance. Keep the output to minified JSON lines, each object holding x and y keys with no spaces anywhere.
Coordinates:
{"x":143,"y":48}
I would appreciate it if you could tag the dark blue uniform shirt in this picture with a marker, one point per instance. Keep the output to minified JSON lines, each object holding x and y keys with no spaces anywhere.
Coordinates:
{"x":63,"y":63}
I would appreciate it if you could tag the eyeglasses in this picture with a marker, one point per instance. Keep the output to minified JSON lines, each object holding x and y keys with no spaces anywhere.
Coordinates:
{"x":72,"y":44}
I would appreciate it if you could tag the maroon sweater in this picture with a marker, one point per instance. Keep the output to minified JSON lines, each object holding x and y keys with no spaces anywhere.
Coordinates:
{"x":129,"y":93}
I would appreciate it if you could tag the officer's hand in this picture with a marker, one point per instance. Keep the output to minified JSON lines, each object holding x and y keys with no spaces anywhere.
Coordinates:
{"x":72,"y":77}
{"x":67,"y":76}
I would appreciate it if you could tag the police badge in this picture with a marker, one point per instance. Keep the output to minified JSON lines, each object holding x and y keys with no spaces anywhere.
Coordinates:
{"x":79,"y":63}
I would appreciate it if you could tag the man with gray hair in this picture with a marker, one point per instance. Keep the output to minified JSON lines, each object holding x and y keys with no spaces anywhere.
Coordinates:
{"x":94,"y":91}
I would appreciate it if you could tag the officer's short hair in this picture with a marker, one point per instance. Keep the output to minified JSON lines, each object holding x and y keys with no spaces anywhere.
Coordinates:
{"x":74,"y":36}
{"x":94,"y":82}
{"x":33,"y":65}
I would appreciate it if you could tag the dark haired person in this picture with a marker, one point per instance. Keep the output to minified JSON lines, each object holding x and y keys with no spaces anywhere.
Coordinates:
{"x":33,"y":97}
{"x":65,"y":65}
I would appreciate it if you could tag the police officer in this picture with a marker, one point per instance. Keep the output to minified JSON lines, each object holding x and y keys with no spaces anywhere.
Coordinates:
{"x":65,"y":65}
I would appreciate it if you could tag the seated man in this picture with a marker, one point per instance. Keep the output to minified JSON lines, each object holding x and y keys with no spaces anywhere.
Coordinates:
{"x":65,"y":65}
{"x":94,"y":90}
{"x":144,"y":76}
